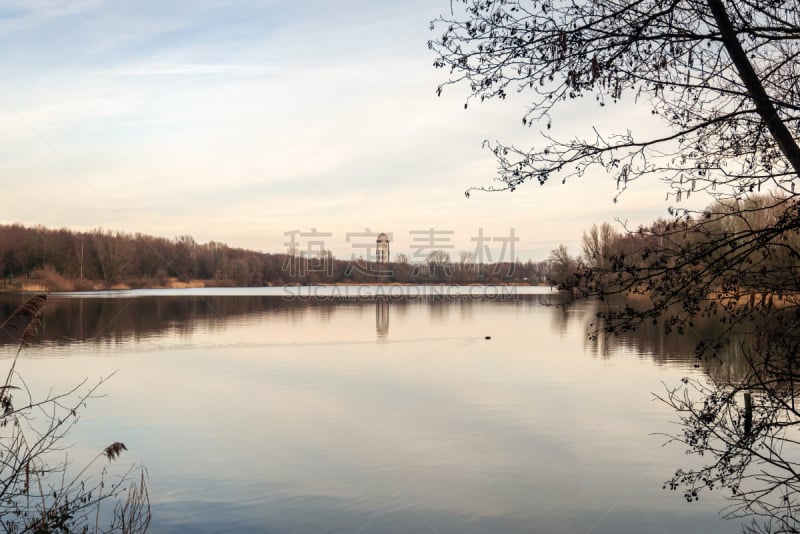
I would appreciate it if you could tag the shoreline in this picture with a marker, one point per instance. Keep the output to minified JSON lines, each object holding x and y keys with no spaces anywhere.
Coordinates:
{"x":96,"y":287}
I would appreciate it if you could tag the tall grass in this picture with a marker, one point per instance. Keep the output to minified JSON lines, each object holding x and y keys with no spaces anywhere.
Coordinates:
{"x":40,"y":491}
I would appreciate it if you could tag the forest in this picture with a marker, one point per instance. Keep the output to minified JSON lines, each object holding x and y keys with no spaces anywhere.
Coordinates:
{"x":40,"y":258}
{"x":759,"y":231}
{"x":609,"y":256}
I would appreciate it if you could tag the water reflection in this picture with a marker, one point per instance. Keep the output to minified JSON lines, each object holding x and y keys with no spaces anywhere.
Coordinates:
{"x":727,"y":363}
{"x":120,"y":320}
{"x":280,"y":413}
{"x":114,"y":320}
{"x":382,"y":318}
{"x":439,"y":310}
{"x":740,"y":418}
{"x":103,"y":320}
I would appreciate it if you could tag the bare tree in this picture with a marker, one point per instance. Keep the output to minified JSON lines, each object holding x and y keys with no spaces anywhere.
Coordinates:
{"x":39,"y":490}
{"x":749,"y":432}
{"x":721,"y":75}
{"x":563,"y":266}
{"x":720,"y":78}
{"x":597,"y":243}
{"x":438,"y":267}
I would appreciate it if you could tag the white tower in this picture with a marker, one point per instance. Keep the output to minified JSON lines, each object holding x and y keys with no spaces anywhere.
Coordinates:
{"x":382,"y":248}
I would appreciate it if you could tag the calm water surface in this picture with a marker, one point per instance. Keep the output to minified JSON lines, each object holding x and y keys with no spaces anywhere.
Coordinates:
{"x":260,"y":411}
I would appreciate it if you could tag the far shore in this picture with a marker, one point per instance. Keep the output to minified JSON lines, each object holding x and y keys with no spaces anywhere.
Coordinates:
{"x":35,"y":286}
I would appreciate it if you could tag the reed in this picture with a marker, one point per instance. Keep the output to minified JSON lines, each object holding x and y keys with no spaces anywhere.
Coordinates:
{"x":37,"y":490}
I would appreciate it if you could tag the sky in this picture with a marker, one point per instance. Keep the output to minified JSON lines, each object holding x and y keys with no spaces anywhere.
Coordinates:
{"x":247,"y":122}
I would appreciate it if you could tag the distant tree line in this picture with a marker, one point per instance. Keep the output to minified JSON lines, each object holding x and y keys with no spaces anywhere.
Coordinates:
{"x":67,"y":260}
{"x":757,"y":230}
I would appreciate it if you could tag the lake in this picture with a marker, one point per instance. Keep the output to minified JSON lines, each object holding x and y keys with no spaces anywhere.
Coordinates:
{"x":359,"y":410}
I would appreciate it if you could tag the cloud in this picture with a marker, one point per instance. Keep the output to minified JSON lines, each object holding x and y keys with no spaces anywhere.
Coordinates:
{"x":239,"y":122}
{"x":36,"y":12}
{"x":191,"y":69}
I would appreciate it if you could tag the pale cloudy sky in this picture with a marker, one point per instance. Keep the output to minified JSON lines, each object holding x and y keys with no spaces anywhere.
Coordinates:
{"x":238,"y":121}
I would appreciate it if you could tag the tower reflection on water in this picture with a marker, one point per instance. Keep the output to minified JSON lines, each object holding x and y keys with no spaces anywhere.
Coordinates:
{"x":382,"y":318}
